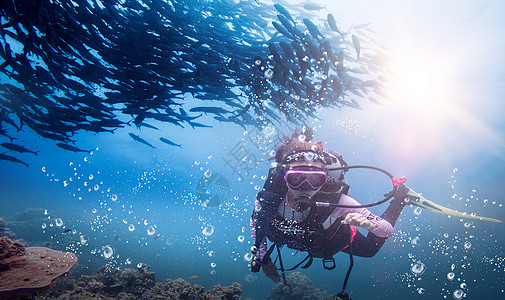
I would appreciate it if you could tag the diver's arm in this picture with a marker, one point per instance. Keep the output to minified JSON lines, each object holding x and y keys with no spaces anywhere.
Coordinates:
{"x":362,"y":217}
{"x":262,"y":249}
{"x":265,"y":206}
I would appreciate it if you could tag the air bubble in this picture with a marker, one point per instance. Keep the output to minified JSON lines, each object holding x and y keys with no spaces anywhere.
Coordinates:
{"x":151,"y":230}
{"x":467,"y":245}
{"x":58,"y":222}
{"x":269,"y":73}
{"x":268,"y":131}
{"x":450,"y":276}
{"x":208,"y":230}
{"x":309,"y":156}
{"x":418,"y":268}
{"x":107,"y":251}
{"x":131,"y":227}
{"x":241,"y":238}
{"x":458,"y":294}
{"x":248,"y":257}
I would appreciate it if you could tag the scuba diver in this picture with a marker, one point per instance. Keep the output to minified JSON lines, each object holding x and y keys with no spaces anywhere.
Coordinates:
{"x":304,"y":205}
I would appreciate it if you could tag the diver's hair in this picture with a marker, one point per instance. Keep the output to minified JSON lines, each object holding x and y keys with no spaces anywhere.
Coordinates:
{"x":300,"y":141}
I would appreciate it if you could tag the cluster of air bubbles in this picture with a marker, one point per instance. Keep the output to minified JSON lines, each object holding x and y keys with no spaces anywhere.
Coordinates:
{"x":418,"y":268}
{"x":497,"y":261}
{"x":128,"y":261}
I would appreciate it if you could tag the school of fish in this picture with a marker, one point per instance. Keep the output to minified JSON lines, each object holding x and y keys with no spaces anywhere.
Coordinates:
{"x":73,"y":66}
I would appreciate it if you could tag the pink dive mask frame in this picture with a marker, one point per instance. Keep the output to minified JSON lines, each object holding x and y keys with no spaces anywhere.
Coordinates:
{"x":308,"y":174}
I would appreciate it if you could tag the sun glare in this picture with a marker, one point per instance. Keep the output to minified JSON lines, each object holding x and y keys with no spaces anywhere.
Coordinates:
{"x":423,"y":84}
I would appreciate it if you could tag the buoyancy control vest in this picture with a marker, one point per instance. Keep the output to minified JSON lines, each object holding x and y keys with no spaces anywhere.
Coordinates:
{"x":311,"y":234}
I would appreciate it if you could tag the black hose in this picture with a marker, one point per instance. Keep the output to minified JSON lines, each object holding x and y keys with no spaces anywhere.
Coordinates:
{"x":349,"y":269}
{"x":388,"y":195}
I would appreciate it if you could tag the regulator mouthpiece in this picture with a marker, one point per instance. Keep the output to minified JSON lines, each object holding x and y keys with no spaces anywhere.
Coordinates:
{"x":302,"y":203}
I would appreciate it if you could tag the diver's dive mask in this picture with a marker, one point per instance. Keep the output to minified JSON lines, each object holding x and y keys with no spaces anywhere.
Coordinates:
{"x":295,"y":179}
{"x":305,"y":180}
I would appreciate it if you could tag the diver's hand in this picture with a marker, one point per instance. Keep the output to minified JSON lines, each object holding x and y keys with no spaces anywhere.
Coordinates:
{"x":270,"y":271}
{"x":356,"y":219}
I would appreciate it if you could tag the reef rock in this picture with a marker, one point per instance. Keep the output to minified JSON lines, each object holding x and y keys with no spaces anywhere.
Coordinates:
{"x":181,"y":289}
{"x":26,"y":270}
{"x":109,"y":283}
{"x":302,"y":288}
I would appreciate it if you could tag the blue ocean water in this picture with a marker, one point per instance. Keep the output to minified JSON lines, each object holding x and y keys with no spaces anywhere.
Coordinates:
{"x":185,"y":211}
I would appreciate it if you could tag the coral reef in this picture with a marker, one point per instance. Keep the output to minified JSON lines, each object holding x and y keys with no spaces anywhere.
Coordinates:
{"x":302,"y":289}
{"x":110,"y":283}
{"x":180,"y":289}
{"x":31,"y":269}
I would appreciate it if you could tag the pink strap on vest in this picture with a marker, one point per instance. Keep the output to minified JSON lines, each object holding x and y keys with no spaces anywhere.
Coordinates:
{"x":353,"y":233}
